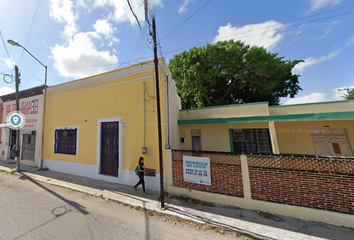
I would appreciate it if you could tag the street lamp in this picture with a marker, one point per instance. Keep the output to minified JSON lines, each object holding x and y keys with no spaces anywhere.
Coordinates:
{"x":13,"y":43}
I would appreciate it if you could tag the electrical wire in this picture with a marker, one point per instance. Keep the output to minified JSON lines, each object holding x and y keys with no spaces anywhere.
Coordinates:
{"x":168,"y":34}
{"x":36,"y":77}
{"x":8,"y":75}
{"x":131,"y":9}
{"x":7,"y":52}
{"x":33,"y":24}
{"x":181,"y":48}
{"x":241,"y":35}
{"x":296,"y":19}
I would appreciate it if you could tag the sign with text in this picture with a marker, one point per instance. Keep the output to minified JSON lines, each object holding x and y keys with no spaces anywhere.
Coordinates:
{"x":26,"y":107}
{"x":196,"y":170}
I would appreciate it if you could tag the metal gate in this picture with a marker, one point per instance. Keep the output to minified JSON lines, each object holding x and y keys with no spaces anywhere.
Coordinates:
{"x":109,"y":148}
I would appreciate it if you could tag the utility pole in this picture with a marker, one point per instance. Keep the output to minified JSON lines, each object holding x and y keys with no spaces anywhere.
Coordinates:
{"x":17,"y":147}
{"x":162,"y":196}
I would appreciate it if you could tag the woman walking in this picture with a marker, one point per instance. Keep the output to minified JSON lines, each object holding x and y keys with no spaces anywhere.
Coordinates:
{"x":141,"y":174}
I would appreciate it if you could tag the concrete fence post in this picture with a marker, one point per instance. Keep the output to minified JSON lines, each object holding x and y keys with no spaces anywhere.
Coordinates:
{"x":245,"y":177}
{"x":168,"y":168}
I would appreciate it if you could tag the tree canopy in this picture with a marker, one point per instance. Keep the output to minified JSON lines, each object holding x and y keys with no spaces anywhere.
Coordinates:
{"x":350,"y":95}
{"x":231,"y":72}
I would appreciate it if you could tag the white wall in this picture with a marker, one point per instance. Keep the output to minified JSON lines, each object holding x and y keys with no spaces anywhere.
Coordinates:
{"x":33,"y":123}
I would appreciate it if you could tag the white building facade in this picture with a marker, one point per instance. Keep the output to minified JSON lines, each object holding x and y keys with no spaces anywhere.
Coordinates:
{"x":31,"y":101}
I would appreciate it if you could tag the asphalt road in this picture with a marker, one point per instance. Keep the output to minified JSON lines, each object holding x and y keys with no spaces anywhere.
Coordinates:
{"x":33,"y":210}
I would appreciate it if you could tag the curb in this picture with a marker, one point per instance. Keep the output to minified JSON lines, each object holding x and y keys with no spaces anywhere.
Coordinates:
{"x":253,"y":230}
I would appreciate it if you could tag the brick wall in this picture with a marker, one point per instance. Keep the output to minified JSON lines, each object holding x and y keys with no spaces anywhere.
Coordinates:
{"x":332,"y":192}
{"x":324,"y":184}
{"x":321,"y":183}
{"x":226,"y":176}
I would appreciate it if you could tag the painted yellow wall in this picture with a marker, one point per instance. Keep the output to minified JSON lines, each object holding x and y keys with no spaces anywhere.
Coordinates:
{"x":71,"y":107}
{"x":214,"y":137}
{"x":340,"y":106}
{"x":295,"y":137}
{"x":239,"y":110}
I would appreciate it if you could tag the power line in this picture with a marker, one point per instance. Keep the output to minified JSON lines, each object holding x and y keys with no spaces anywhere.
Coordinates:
{"x":36,"y":77}
{"x":131,"y":9}
{"x":296,"y":19}
{"x":241,"y":35}
{"x":7,"y":52}
{"x":168,"y":34}
{"x":181,"y":48}
{"x":292,"y":20}
{"x":33,"y":24}
{"x":294,"y":25}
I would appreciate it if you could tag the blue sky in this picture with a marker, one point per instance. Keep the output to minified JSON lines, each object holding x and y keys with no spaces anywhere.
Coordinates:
{"x":80,"y":38}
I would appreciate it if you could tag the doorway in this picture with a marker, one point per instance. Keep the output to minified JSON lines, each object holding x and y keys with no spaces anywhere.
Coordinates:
{"x":12,"y":143}
{"x":109,"y":161}
{"x":28,"y":146}
{"x":331,"y":142}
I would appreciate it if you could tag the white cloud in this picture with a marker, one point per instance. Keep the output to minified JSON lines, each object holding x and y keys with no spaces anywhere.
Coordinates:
{"x":120,"y":11}
{"x":329,"y":27}
{"x":266,"y":34}
{"x":73,"y":58}
{"x":299,"y":68}
{"x":70,"y":60}
{"x":311,"y":98}
{"x":6,"y":90}
{"x":62,"y":11}
{"x":105,"y":28}
{"x":350,"y":41}
{"x":319,"y":97}
{"x":183,"y":7}
{"x":102,"y":26}
{"x":318,"y":4}
{"x":9,"y":62}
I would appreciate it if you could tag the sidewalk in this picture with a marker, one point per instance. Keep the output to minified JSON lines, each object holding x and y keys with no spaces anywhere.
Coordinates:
{"x":247,"y":222}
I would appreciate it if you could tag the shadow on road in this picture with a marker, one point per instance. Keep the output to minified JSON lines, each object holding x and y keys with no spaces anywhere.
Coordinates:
{"x":73,"y":204}
{"x":315,"y":229}
{"x":56,"y":216}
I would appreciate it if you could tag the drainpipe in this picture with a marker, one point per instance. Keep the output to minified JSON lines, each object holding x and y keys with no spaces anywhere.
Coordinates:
{"x":144,"y":113}
{"x":168,"y":116}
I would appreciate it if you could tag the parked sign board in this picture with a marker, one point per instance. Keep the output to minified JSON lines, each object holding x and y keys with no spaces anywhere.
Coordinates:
{"x":196,"y":170}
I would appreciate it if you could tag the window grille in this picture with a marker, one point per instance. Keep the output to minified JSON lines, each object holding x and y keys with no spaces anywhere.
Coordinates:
{"x":65,"y":141}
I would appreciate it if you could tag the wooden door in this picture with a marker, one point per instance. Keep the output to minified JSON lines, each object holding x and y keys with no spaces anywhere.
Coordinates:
{"x":109,"y":148}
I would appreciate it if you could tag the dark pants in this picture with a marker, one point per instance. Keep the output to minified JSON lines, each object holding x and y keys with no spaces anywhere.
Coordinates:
{"x":141,"y":181}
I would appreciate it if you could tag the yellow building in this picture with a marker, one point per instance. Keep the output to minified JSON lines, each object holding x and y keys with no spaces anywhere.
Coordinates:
{"x":324,"y":129}
{"x":99,"y":126}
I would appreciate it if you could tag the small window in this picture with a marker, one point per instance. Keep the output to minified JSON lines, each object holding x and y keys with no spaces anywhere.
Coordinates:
{"x":196,"y":140}
{"x":65,"y":141}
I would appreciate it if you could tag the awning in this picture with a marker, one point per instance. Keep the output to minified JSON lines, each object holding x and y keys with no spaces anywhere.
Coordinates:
{"x":276,"y":118}
{"x":4,"y":125}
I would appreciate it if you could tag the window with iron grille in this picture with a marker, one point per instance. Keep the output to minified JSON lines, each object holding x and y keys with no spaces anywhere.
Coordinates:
{"x":251,"y":141}
{"x":65,"y":141}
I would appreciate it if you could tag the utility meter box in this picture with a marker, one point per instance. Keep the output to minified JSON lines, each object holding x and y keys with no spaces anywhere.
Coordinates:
{"x":150,"y":172}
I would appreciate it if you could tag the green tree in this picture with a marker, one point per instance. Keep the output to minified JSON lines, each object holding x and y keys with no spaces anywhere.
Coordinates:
{"x":232,"y":72}
{"x":350,"y":95}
